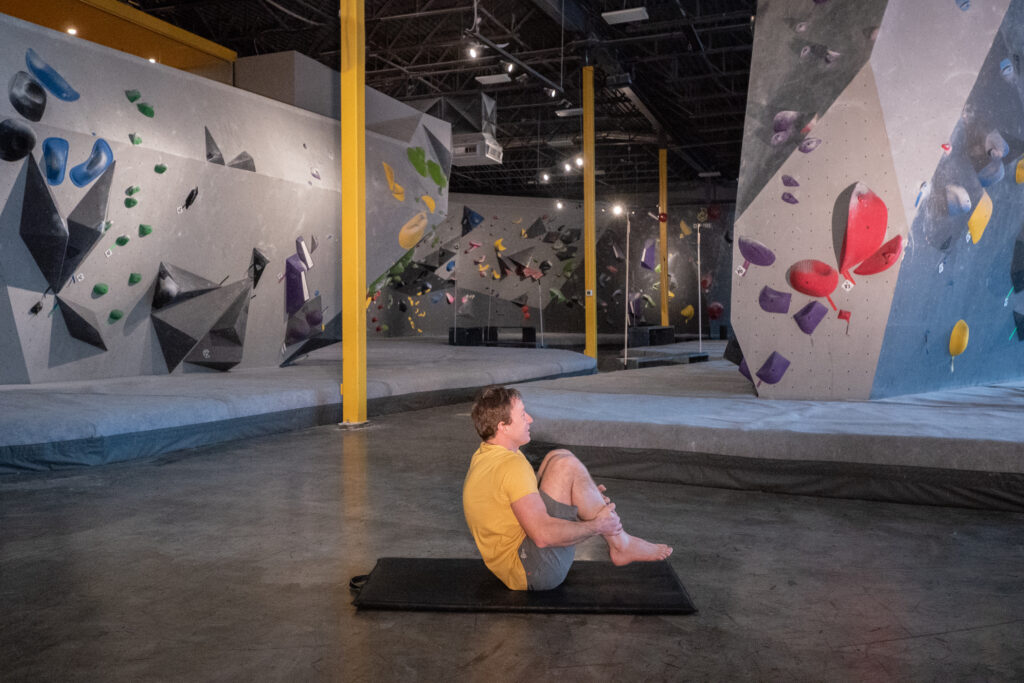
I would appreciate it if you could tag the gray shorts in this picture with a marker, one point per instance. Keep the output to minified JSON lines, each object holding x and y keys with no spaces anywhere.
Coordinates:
{"x":546,"y":567}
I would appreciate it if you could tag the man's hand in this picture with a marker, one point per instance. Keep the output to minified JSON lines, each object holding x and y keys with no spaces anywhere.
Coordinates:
{"x":602,"y":489}
{"x":607,"y":522}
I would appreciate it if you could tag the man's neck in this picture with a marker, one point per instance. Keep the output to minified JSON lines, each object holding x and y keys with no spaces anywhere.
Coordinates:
{"x":503,"y":441}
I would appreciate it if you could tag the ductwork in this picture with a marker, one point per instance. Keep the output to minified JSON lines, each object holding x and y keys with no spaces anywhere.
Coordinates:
{"x":473,"y":120}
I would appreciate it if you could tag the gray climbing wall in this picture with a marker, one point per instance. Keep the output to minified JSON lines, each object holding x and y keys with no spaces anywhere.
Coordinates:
{"x":513,"y":261}
{"x":879,"y":199}
{"x":145,"y":232}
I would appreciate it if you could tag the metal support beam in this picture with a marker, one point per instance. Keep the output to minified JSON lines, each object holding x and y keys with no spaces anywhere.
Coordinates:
{"x":518,"y":62}
{"x":589,"y":215}
{"x":353,"y":212}
{"x":663,"y":230}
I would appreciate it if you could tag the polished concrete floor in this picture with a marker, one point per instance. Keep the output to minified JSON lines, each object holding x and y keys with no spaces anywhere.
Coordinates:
{"x":231,"y":563}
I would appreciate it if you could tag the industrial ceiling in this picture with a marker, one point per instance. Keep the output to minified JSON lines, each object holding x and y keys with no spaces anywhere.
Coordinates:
{"x":676,"y":79}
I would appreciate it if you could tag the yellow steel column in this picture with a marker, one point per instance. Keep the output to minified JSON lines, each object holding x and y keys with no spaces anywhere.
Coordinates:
{"x":353,"y":211}
{"x":663,"y":230}
{"x":589,"y":204}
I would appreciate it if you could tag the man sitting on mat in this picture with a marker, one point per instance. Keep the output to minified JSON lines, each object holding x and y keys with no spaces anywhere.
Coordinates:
{"x":526,"y":525}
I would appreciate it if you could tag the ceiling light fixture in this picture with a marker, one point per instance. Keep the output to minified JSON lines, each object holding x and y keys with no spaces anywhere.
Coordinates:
{"x":558,"y":204}
{"x":152,"y":60}
{"x":552,"y":93}
{"x":579,"y":161}
{"x":625,"y":16}
{"x":474,"y":52}
{"x":573,"y":111}
{"x":617,"y":209}
{"x":73,"y":31}
{"x":568,"y":167}
{"x":545,"y":177}
{"x":508,"y":66}
{"x":493,"y":79}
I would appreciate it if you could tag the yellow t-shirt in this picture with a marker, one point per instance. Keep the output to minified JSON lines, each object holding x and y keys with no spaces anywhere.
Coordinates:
{"x":497,"y":478}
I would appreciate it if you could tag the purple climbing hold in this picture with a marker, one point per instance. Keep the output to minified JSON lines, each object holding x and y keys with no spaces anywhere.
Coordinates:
{"x":790,"y":181}
{"x":296,"y":290}
{"x":774,"y":368}
{"x":808,"y":317}
{"x":789,"y":198}
{"x":754,"y":252}
{"x":809,"y":145}
{"x":649,"y":259}
{"x":774,"y":301}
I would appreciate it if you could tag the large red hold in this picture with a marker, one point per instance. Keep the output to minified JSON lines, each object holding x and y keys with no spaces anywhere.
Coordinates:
{"x":866,"y":223}
{"x":883,"y":259}
{"x":814,"y":278}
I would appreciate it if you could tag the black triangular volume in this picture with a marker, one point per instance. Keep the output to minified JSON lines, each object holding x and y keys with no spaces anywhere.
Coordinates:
{"x":213,"y":154}
{"x":244,"y":162}
{"x":175,"y":284}
{"x":81,"y":324}
{"x":85,"y":224}
{"x":42,"y":228}
{"x":257,"y":265}
{"x":174,"y":343}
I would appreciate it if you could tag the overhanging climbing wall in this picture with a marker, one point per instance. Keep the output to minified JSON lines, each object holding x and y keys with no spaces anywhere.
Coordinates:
{"x":153,"y":221}
{"x":879,"y":201}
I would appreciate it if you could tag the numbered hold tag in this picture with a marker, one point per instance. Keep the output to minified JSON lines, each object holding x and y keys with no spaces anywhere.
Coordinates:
{"x":741,"y":271}
{"x":847,"y":285}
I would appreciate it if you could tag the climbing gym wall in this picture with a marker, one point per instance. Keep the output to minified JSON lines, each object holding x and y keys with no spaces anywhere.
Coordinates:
{"x":155,"y":222}
{"x":517,"y":261}
{"x":879,"y":199}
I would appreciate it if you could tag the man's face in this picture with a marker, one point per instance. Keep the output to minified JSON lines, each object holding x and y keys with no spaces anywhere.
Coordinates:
{"x":518,"y":426}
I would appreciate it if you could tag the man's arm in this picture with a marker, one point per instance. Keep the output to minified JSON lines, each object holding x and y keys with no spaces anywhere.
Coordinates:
{"x":545,"y":530}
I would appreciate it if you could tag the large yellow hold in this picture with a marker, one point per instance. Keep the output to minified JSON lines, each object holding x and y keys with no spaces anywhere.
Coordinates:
{"x":397,"y":190}
{"x":958,"y":340}
{"x":978,"y":221}
{"x":688,"y":312}
{"x":412,"y":231}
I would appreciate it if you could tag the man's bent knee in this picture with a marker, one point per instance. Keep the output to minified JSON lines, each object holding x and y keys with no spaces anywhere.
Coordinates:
{"x":557,"y":459}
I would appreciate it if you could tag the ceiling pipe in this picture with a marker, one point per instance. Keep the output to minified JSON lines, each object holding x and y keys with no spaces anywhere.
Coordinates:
{"x":512,"y":58}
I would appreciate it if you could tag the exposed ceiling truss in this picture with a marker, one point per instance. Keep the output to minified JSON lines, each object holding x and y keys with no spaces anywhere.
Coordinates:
{"x":678,"y":79}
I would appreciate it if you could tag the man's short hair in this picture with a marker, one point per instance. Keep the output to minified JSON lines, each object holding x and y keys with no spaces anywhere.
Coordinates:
{"x":493,"y":405}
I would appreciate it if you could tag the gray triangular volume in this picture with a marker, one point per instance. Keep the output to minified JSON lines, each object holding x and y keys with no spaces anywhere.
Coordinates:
{"x":42,"y":229}
{"x":180,"y":327}
{"x":175,"y":284}
{"x":538,"y":229}
{"x":257,"y":265}
{"x":221,"y":348}
{"x":441,"y":153}
{"x":85,"y":224}
{"x":81,"y":324}
{"x":213,"y":154}
{"x":331,"y":334}
{"x":401,"y":129}
{"x":244,"y":162}
{"x":1018,"y":320}
{"x":522,"y":258}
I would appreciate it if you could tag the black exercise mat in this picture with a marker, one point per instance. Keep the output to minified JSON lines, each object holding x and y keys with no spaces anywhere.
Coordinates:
{"x":465,"y":585}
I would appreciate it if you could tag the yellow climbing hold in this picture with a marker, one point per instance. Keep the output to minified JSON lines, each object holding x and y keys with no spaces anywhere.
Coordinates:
{"x":496,"y":274}
{"x":498,"y":244}
{"x":518,"y":220}
{"x":958,"y":338}
{"x":397,"y":190}
{"x":688,"y":312}
{"x":522,"y":233}
{"x":978,"y":221}
{"x":429,"y":201}
{"x":1019,"y":175}
{"x":412,"y":231}
{"x":685,"y":230}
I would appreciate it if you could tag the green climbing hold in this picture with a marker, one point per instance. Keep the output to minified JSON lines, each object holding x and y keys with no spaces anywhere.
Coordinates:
{"x":136,"y":139}
{"x":134,"y":189}
{"x":160,"y":168}
{"x":146,"y":109}
{"x":436,"y":175}
{"x":145,"y":229}
{"x":99,"y":289}
{"x":130,"y":202}
{"x":122,"y":240}
{"x":132,"y":95}
{"x":134,"y":278}
{"x":418,"y":159}
{"x":115,"y":315}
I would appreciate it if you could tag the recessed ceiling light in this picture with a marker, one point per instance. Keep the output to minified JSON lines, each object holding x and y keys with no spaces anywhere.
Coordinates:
{"x":558,"y":204}
{"x":625,"y":16}
{"x":152,"y":60}
{"x":493,"y":79}
{"x":73,"y":31}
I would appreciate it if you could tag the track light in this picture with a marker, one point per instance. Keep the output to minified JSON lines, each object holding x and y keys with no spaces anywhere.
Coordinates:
{"x":474,"y":52}
{"x":558,"y":204}
{"x":552,"y":93}
{"x":545,"y":177}
{"x":617,"y":209}
{"x":508,"y":66}
{"x":568,"y":167}
{"x":579,"y":161}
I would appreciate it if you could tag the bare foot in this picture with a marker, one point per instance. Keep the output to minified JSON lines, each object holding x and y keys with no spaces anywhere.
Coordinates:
{"x":624,"y":549}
